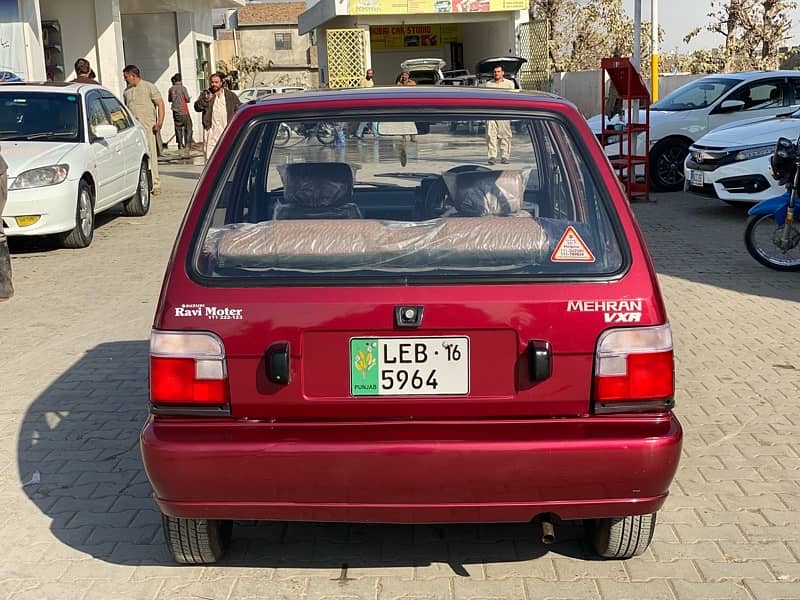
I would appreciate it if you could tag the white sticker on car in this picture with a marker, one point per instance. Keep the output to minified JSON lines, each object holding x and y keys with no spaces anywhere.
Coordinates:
{"x":571,"y":248}
{"x":614,"y":311}
{"x":215,"y":313}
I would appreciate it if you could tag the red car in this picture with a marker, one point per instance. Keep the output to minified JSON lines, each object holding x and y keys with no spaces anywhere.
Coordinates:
{"x":419,"y":327}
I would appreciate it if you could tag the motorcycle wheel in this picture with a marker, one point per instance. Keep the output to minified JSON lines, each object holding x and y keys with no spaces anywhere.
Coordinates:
{"x":762,"y":239}
{"x":282,"y":136}
{"x":326,"y":133}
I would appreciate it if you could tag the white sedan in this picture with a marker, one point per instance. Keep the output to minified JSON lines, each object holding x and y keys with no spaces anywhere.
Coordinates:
{"x":73,"y":150}
{"x":732,"y":162}
{"x":688,"y":113}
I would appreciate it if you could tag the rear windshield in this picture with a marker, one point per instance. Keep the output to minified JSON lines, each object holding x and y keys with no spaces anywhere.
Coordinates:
{"x":407,"y":199}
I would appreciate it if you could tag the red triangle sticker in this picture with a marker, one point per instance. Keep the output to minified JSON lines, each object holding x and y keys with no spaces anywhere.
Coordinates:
{"x":571,"y":248}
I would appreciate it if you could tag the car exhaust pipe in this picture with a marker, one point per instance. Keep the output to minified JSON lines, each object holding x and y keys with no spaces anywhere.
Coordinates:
{"x":548,"y":532}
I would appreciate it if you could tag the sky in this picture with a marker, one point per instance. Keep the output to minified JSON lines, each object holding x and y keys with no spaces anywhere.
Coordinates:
{"x":679,"y":17}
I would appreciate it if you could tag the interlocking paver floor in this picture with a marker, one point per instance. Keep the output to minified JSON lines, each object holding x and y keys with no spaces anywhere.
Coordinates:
{"x":78,"y":520}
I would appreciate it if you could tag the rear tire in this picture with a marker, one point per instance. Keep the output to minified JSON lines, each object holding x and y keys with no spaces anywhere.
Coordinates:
{"x":196,"y":541}
{"x":138,"y":205}
{"x":622,"y":537}
{"x":282,"y":136}
{"x":666,"y":164}
{"x":326,"y":133}
{"x":81,"y":235}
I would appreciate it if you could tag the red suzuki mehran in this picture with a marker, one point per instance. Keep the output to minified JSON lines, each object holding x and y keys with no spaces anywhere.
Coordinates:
{"x":420,"y":326}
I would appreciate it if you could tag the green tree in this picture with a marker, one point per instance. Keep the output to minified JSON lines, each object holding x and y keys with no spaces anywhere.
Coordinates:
{"x":249,"y":67}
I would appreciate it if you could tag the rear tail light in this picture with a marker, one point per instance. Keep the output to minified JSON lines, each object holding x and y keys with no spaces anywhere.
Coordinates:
{"x":188,"y":373}
{"x":634,"y":370}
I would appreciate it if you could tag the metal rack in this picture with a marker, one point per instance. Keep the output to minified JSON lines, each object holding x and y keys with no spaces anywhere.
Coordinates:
{"x":632,"y":160}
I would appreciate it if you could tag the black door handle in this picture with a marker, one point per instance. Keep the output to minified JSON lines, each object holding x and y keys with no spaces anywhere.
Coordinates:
{"x":540,"y":360}
{"x":277,"y":363}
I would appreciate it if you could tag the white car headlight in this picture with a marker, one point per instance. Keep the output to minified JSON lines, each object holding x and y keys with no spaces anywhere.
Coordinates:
{"x":751,"y":153}
{"x":41,"y":177}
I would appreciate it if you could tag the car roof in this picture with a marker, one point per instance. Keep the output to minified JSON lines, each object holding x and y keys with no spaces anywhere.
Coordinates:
{"x":458,"y":94}
{"x":64,"y":87}
{"x":749,"y":75}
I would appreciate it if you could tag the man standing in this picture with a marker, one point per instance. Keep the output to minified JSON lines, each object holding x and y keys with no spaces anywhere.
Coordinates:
{"x":499,"y":130}
{"x":367,"y":82}
{"x":405,"y":79}
{"x":6,"y":289}
{"x":145,"y":102}
{"x":83,"y":72}
{"x":217,"y":104}
{"x":178,"y":97}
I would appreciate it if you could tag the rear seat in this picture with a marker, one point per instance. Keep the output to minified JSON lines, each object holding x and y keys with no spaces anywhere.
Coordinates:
{"x":489,"y":229}
{"x":457,"y":242}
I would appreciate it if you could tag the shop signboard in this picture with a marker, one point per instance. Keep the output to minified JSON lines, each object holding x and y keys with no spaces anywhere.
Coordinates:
{"x":405,"y":7}
{"x":401,"y":37}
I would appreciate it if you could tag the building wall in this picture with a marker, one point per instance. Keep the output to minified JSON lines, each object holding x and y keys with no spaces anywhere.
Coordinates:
{"x":582,"y":88}
{"x":297,"y":66}
{"x":486,"y":39}
{"x":78,"y":32}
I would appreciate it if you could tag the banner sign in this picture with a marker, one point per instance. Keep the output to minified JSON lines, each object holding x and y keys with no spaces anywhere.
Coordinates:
{"x":399,"y":37}
{"x":405,"y":7}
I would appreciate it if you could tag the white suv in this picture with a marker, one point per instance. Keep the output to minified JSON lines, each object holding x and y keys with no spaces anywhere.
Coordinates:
{"x":685,"y":115}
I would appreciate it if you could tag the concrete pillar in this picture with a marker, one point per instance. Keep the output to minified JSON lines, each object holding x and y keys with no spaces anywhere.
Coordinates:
{"x":111,"y":58}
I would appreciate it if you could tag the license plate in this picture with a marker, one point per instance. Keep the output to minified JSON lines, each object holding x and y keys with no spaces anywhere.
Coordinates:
{"x":697,"y":178}
{"x":409,"y":366}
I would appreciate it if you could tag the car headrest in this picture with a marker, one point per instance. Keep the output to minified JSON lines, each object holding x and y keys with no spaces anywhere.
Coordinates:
{"x":317,"y":184}
{"x":480,"y":193}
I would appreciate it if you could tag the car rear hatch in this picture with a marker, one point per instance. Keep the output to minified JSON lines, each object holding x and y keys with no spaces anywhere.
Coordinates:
{"x":511,"y":66}
{"x":472,"y":343}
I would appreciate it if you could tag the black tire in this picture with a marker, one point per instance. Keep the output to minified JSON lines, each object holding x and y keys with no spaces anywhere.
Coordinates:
{"x":138,"y":205}
{"x":622,"y":537}
{"x":196,"y":541}
{"x":326,"y":132}
{"x":81,"y":235}
{"x":759,"y":227}
{"x":666,"y":164}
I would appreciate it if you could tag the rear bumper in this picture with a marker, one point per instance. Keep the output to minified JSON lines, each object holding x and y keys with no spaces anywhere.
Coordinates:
{"x":442,"y":472}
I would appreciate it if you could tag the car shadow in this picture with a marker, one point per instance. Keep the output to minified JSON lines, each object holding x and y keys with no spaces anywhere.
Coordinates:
{"x":48,"y":243}
{"x":79,"y":464}
{"x":702,"y":240}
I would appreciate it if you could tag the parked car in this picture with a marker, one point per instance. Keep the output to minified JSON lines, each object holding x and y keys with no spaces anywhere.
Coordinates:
{"x":512,"y":65}
{"x":333,"y":348}
{"x":424,"y":71}
{"x":732,"y":162}
{"x":256,"y":93}
{"x":684,"y":116}
{"x":73,"y":150}
{"x":9,"y":77}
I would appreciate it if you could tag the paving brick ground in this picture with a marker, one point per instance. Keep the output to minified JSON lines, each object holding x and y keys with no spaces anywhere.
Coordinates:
{"x":78,"y":521}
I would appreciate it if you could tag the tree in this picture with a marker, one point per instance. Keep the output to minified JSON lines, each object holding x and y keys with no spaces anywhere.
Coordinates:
{"x":754,"y":31}
{"x":249,"y":67}
{"x":582,"y":32}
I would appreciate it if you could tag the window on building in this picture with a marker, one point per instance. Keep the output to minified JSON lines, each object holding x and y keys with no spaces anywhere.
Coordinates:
{"x":283,"y":41}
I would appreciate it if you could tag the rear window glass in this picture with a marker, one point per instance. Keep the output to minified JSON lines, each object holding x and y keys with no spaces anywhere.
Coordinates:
{"x":416,"y":198}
